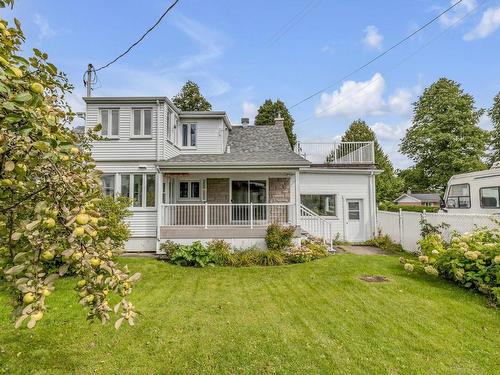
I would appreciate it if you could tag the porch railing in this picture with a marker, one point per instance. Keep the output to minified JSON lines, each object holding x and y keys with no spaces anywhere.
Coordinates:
{"x":315,"y":225}
{"x":337,"y":152}
{"x":227,"y":214}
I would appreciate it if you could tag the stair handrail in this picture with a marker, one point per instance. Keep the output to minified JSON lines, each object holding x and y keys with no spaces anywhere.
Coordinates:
{"x":324,"y":222}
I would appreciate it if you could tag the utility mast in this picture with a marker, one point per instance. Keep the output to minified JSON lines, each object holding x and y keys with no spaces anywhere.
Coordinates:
{"x":89,"y":80}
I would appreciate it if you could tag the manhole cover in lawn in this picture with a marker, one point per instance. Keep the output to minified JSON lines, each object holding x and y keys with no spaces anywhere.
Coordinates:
{"x":373,"y":278}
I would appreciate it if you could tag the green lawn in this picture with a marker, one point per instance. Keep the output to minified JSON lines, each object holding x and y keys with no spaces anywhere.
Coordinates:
{"x":308,"y":318}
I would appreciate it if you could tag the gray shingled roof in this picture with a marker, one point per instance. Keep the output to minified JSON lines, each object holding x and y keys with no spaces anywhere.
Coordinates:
{"x":426,"y":197}
{"x":423,"y":197}
{"x":249,"y":145}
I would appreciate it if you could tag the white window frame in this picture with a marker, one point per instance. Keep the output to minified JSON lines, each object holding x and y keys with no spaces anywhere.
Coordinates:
{"x":132,"y":124}
{"x":170,"y":126}
{"x":335,"y":202}
{"x":189,"y":125}
{"x":143,"y":206}
{"x":110,"y":122}
{"x":189,"y":197}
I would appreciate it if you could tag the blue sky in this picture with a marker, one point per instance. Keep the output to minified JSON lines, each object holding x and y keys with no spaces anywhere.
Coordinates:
{"x":242,"y":52}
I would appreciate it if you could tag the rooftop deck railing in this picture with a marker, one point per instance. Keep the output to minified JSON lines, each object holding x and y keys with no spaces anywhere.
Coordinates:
{"x":337,"y":152}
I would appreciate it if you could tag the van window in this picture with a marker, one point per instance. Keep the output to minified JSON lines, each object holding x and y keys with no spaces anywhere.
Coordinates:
{"x":458,"y":196}
{"x":490,"y":197}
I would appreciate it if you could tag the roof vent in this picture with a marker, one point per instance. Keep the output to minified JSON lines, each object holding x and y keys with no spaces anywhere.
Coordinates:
{"x":245,"y":121}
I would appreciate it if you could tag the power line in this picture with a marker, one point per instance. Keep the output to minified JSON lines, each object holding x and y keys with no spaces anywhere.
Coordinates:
{"x":379,"y":55}
{"x":400,"y":62}
{"x":140,"y":39}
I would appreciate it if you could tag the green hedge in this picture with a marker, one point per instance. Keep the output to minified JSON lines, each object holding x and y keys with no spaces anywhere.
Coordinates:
{"x":393,"y":207}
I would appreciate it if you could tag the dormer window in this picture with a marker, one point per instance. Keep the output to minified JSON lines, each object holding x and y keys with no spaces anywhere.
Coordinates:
{"x":109,"y":122}
{"x":188,"y":135}
{"x":142,"y":122}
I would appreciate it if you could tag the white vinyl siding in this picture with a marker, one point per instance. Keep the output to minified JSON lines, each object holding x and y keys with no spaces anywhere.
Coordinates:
{"x":124,"y":146}
{"x":209,"y":136}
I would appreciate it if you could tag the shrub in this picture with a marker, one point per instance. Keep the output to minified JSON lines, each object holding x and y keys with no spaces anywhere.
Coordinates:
{"x":269,"y":258}
{"x":279,"y":237}
{"x":317,"y":248}
{"x":471,"y":260}
{"x":393,"y":207}
{"x":195,"y":255}
{"x":221,"y":251}
{"x":244,"y":258}
{"x":113,"y":211}
{"x":299,"y":254}
{"x":384,"y":243}
{"x":168,"y":248}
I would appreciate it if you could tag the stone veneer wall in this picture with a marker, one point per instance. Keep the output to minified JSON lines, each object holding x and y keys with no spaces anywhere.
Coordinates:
{"x":217,"y":190}
{"x":279,"y":192}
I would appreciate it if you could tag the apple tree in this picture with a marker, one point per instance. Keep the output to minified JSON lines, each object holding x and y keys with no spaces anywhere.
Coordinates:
{"x":50,"y":194}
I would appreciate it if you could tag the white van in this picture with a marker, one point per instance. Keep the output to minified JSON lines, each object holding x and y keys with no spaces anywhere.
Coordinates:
{"x":475,"y":192}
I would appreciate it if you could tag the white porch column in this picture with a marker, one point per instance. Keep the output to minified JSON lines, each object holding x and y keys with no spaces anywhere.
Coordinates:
{"x":297,"y":198}
{"x":159,"y":206}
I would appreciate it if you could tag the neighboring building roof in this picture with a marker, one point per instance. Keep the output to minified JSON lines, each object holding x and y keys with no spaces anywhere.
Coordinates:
{"x":423,"y":197}
{"x":265,"y":146}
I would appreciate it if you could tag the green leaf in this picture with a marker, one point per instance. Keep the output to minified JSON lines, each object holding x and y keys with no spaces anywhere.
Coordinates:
{"x":9,"y":106}
{"x":23,"y":97}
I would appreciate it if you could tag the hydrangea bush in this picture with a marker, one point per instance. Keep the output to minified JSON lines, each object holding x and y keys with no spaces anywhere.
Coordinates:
{"x":51,"y":207}
{"x":471,"y":260}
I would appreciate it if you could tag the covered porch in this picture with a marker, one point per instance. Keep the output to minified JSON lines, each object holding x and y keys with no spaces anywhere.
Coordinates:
{"x":226,"y":204}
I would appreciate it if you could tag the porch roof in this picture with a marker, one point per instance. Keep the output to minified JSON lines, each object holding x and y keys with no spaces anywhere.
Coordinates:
{"x":257,"y":146}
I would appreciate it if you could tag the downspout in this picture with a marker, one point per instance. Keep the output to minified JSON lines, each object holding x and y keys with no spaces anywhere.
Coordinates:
{"x":157,"y":130}
{"x":373,"y":211}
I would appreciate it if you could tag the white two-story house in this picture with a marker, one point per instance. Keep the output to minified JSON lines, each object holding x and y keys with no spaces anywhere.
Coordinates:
{"x":196,"y":176}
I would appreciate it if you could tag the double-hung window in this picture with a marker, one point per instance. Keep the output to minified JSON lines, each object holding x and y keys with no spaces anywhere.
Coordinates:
{"x":458,"y":196}
{"x":189,"y":189}
{"x":321,"y":204}
{"x":140,"y":187}
{"x":110,"y":122}
{"x":108,"y":184}
{"x":188,"y":135}
{"x":142,"y":122}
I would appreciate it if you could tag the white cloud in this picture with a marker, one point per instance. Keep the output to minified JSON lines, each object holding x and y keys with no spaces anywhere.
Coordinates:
{"x":354,"y":98}
{"x":400,"y":101}
{"x":453,"y":16}
{"x":361,"y":98}
{"x":385,"y":131}
{"x":485,"y":122}
{"x":372,"y":39}
{"x":490,"y":21}
{"x":45,"y":31}
{"x":328,"y":49}
{"x":249,"y":110}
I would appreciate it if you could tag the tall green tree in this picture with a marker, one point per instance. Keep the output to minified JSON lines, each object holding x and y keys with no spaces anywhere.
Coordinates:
{"x":191,"y":99}
{"x":51,"y":215}
{"x":267,"y":113}
{"x":494,"y":113}
{"x":389,"y":187}
{"x":445,"y":138}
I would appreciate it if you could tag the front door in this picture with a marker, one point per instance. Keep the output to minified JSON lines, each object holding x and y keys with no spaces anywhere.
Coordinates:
{"x":354,"y":220}
{"x":245,"y":192}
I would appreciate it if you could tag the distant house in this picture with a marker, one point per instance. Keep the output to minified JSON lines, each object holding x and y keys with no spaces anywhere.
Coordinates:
{"x":415,"y":199}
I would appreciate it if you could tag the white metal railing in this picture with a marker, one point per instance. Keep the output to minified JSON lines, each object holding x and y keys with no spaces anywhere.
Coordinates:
{"x":315,"y":225}
{"x":227,"y":214}
{"x":337,"y":152}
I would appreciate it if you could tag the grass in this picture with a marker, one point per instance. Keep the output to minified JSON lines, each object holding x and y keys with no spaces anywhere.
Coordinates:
{"x":306,"y":318}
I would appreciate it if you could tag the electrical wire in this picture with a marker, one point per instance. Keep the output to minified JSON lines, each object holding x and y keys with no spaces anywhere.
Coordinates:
{"x":399,"y":63}
{"x":141,"y":38}
{"x":385,"y":52}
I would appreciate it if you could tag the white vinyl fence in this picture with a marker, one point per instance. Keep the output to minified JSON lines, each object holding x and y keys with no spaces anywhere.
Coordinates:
{"x":404,"y":227}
